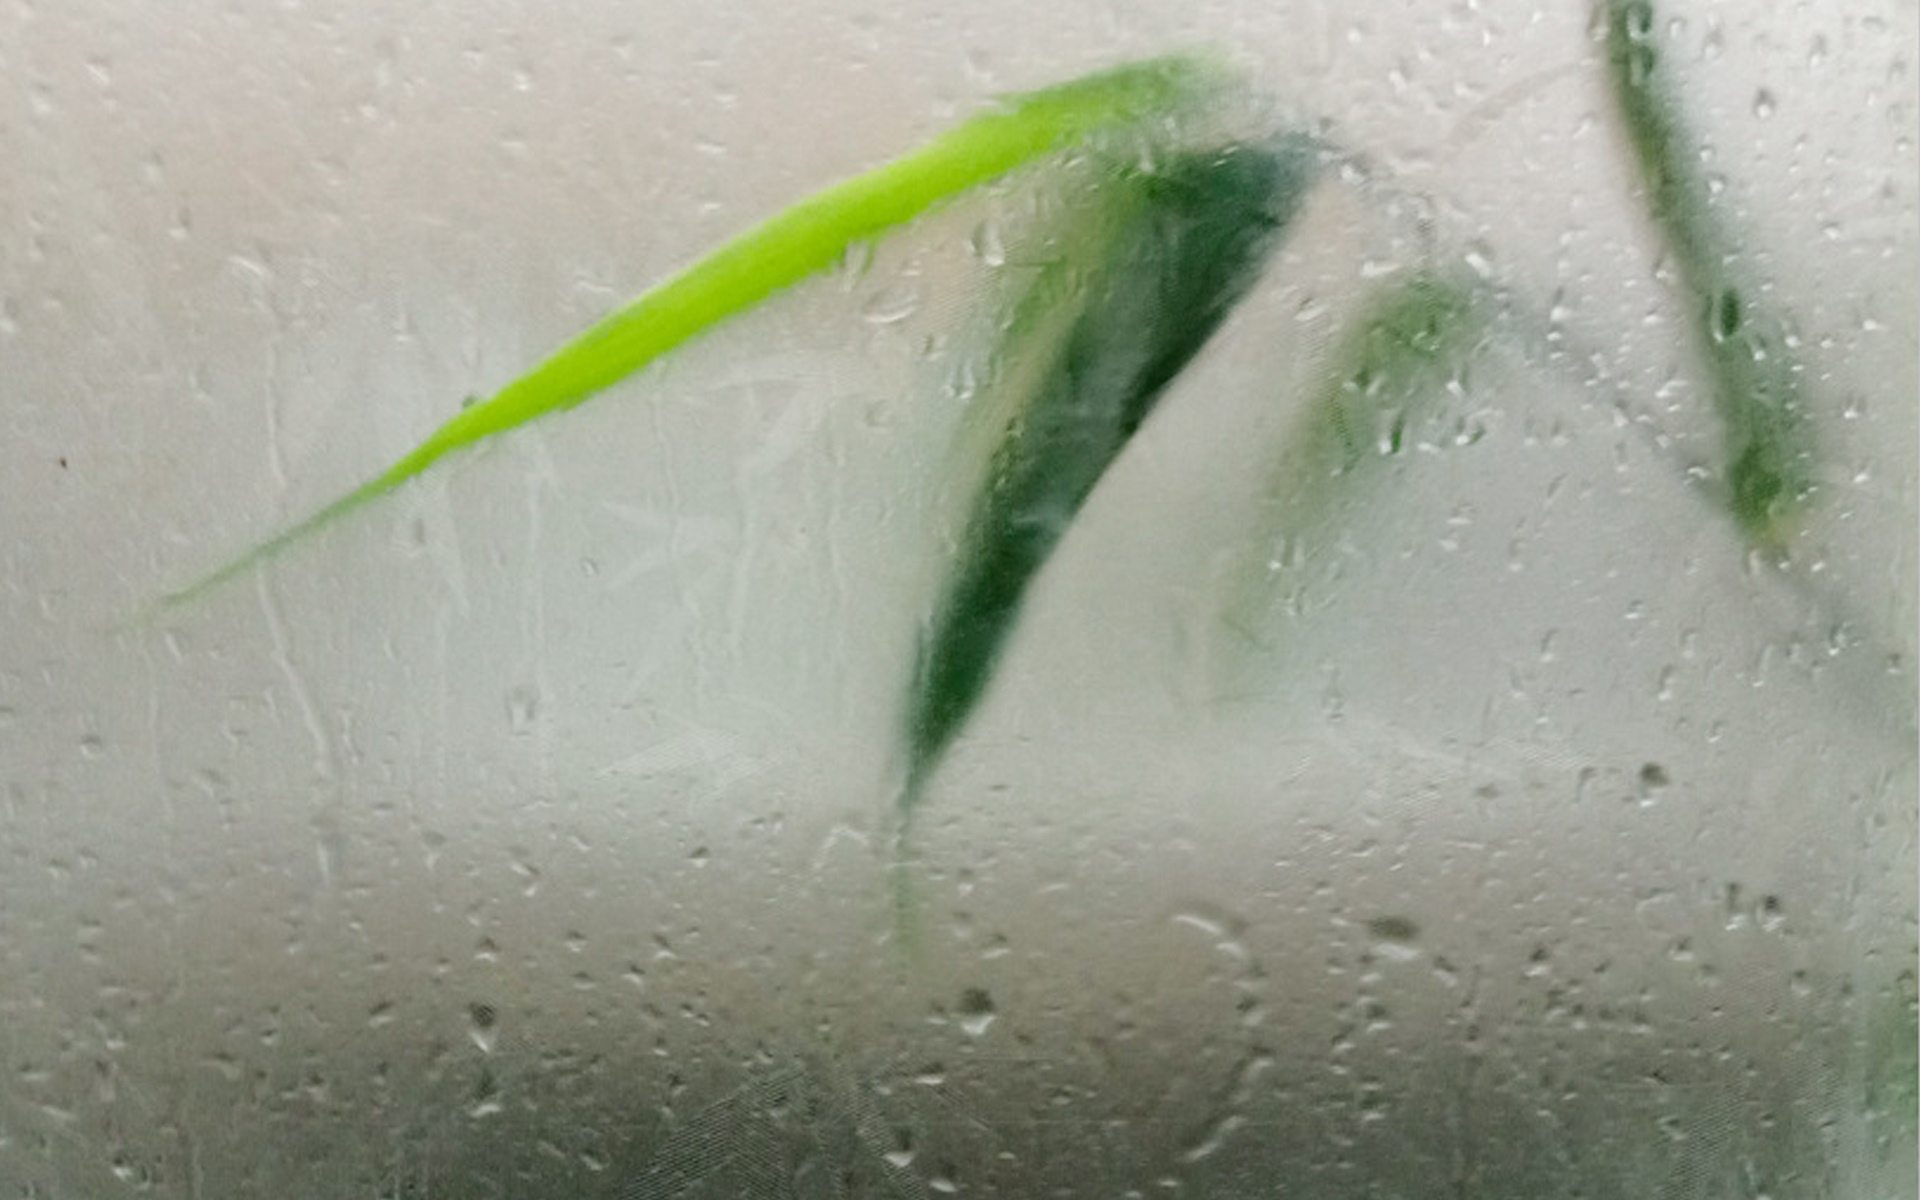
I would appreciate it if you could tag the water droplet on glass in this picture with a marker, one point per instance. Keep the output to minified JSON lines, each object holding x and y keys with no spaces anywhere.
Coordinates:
{"x":129,"y":1172}
{"x":1394,"y":928}
{"x":483,"y":1022}
{"x":1726,"y":315}
{"x":1653,"y":781}
{"x":1771,"y":916}
{"x":903,"y":1152}
{"x":1639,"y":65}
{"x":988,"y":244}
{"x":523,"y":707}
{"x":976,"y":1011}
{"x":890,"y":306}
{"x":486,"y":1100}
{"x":1764,"y":104}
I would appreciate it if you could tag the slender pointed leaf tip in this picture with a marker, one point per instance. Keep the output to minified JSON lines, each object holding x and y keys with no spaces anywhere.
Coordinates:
{"x":798,"y":242}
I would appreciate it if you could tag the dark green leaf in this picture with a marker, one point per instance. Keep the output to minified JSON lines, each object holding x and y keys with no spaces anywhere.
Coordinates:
{"x":1183,"y":241}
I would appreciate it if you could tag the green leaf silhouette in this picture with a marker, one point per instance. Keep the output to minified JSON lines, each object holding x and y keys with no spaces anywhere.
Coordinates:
{"x":1164,"y":255}
{"x":1769,"y":455}
{"x":802,"y":240}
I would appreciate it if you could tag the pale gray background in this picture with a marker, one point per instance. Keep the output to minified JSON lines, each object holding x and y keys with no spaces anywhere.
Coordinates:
{"x":592,"y":727}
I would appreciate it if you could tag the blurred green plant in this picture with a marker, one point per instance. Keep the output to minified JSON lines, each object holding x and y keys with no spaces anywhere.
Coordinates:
{"x":800,"y":241}
{"x":1156,"y":258}
{"x":1411,"y":340}
{"x":1167,"y":227}
{"x":1768,"y":468}
{"x":1162,"y":257}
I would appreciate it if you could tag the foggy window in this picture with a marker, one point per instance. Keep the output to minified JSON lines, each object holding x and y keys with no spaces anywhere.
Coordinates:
{"x":1082,"y":600}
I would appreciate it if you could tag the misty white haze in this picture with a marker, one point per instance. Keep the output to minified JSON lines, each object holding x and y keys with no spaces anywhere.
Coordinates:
{"x":1524,"y":831}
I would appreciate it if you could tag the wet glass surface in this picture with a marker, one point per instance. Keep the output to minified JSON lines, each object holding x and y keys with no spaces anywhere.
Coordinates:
{"x":1456,"y":735}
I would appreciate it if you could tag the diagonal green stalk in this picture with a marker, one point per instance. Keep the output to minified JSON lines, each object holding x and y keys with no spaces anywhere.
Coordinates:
{"x":1769,"y":465}
{"x":809,"y":237}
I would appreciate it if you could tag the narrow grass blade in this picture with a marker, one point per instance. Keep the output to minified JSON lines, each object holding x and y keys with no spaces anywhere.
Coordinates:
{"x":801,"y":241}
{"x":1178,"y":245}
{"x":1378,"y":395}
{"x":1769,"y":468}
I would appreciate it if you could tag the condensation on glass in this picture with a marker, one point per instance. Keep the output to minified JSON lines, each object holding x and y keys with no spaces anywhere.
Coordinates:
{"x":1440,"y":756}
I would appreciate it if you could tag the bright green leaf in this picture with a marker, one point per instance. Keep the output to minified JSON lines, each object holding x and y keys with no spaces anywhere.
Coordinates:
{"x":809,"y":237}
